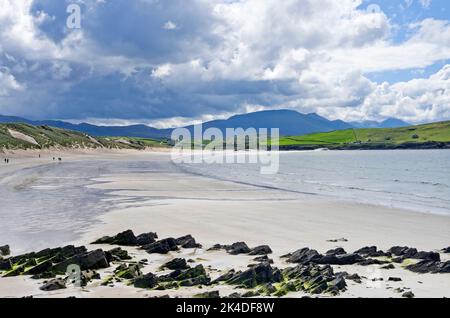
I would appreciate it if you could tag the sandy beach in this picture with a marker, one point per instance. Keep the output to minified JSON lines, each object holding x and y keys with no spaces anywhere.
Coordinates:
{"x":214,"y":211}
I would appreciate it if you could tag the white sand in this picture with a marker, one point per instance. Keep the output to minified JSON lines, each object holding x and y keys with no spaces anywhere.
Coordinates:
{"x":223,"y":212}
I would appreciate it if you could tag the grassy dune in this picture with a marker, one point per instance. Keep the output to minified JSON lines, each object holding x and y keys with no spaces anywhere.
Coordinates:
{"x":50,"y":137}
{"x":428,"y":134}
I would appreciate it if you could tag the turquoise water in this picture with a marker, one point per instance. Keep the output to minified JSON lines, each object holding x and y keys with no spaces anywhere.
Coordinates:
{"x":412,"y":179}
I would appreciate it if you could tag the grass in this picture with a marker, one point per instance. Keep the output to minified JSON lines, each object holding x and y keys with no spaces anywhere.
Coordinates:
{"x":50,"y":137}
{"x":436,"y":132}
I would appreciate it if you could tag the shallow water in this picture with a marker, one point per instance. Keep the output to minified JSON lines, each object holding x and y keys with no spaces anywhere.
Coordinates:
{"x":51,"y":205}
{"x":412,"y":179}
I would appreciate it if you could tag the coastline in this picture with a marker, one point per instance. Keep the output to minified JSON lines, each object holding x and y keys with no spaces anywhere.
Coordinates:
{"x":213,"y":211}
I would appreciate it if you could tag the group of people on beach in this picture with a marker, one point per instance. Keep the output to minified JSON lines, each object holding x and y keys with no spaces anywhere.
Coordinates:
{"x":6,"y":160}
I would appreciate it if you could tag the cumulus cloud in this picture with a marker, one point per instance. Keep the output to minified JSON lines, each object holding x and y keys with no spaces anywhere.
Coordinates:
{"x":166,"y":62}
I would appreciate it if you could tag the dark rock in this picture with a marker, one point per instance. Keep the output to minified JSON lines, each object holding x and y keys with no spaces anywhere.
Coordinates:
{"x":223,"y":278}
{"x":217,"y":247}
{"x":54,"y":284}
{"x":266,"y":289}
{"x":211,"y":294}
{"x":45,"y":275}
{"x":338,"y":283}
{"x":354,"y":277}
{"x":147,"y":281}
{"x":394,"y":279}
{"x":432,"y":256}
{"x":398,"y":250}
{"x":130,"y":272}
{"x":257,"y":275}
{"x":146,"y":238}
{"x":338,"y":240}
{"x":389,"y":266}
{"x":433,"y":267}
{"x":238,"y":248}
{"x":371,"y":261}
{"x":408,"y":295}
{"x":177,"y":263}
{"x":40,"y":268}
{"x":162,"y":247}
{"x":117,"y":254}
{"x":446,"y":250}
{"x":188,"y":242}
{"x":250,"y":294}
{"x":196,"y":281}
{"x":261,"y":250}
{"x":234,"y":296}
{"x":91,"y":260}
{"x":88,"y":276}
{"x":263,"y":259}
{"x":304,"y":256}
{"x":336,"y":251}
{"x":5,"y":265}
{"x":368,"y":250}
{"x":346,"y":259}
{"x":126,"y":238}
{"x":4,"y":250}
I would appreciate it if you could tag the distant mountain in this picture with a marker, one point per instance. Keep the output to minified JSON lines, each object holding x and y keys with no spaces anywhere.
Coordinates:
{"x":388,"y":123}
{"x":142,"y":131}
{"x":289,"y":122}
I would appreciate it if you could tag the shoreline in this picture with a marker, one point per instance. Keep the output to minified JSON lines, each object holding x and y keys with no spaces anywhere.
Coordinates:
{"x":223,"y":212}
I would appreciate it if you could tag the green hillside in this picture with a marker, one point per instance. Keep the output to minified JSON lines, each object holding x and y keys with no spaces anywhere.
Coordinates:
{"x":24,"y":136}
{"x":429,"y":135}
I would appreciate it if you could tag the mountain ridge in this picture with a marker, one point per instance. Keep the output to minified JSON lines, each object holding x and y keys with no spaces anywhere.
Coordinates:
{"x":290,"y":123}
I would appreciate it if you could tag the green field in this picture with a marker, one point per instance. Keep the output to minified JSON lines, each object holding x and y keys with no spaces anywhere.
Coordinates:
{"x":50,"y":137}
{"x":414,"y":135}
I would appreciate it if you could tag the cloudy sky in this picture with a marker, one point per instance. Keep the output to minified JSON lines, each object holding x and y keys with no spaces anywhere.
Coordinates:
{"x":167,"y":62}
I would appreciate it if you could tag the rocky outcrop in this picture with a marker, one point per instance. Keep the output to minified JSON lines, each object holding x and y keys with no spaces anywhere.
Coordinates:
{"x":54,"y":284}
{"x":117,"y":254}
{"x":146,"y":238}
{"x":161,"y":247}
{"x":404,"y":252}
{"x":187,"y":242}
{"x":256,"y":275}
{"x":177,"y":263}
{"x":146,"y":281}
{"x":5,"y":250}
{"x":128,"y":272}
{"x":313,"y":279}
{"x":433,"y":267}
{"x":90,"y":260}
{"x":260,"y":250}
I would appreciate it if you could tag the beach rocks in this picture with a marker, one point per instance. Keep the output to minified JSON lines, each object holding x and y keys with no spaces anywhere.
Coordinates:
{"x":177,"y":263}
{"x":371,"y":251}
{"x":336,"y":251}
{"x":128,"y":238}
{"x":187,"y":242}
{"x":345,"y":259}
{"x":161,"y":247}
{"x":257,"y":275}
{"x":208,"y":295}
{"x":313,"y":279}
{"x":4,"y":250}
{"x":408,"y":295}
{"x":407,"y":252}
{"x":147,"y":281}
{"x":263,"y":259}
{"x":433,"y":267}
{"x":394,"y":279}
{"x":303,"y":256}
{"x":260,"y":250}
{"x":189,"y":277}
{"x":128,"y":272}
{"x":146,"y":238}
{"x":5,"y":265}
{"x":90,"y":260}
{"x":88,"y":276}
{"x":117,"y":254}
{"x":446,"y":250}
{"x":55,"y":284}
{"x":238,"y":248}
